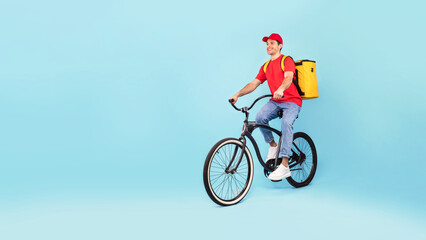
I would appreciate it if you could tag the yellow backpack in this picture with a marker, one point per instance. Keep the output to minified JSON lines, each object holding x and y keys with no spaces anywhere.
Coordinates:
{"x":306,"y":77}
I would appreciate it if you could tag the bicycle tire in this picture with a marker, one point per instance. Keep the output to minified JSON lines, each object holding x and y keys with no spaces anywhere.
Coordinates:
{"x":242,"y":179}
{"x":301,"y":173}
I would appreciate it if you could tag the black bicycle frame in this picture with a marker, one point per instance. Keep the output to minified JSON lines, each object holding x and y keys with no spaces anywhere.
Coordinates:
{"x":248,"y":128}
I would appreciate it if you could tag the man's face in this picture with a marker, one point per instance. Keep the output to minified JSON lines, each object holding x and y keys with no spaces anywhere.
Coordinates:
{"x":273,"y":47}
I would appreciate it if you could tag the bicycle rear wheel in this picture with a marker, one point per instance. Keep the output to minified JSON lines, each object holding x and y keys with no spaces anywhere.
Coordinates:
{"x":303,"y":162}
{"x":227,"y":188}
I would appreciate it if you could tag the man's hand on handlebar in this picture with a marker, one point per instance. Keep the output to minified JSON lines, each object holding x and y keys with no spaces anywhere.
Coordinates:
{"x":233,"y":99}
{"x":278,"y":94}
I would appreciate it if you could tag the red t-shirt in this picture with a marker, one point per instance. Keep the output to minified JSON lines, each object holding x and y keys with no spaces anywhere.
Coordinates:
{"x":275,"y":76}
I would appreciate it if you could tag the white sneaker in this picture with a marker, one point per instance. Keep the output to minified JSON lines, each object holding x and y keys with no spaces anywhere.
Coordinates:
{"x":272,"y":153}
{"x":280,"y":173}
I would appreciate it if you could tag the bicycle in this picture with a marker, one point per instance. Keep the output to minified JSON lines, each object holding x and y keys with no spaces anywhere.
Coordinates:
{"x":227,"y":180}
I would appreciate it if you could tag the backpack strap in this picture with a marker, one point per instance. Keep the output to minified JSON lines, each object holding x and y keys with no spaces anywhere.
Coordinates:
{"x":265,"y":66}
{"x":282,"y":64}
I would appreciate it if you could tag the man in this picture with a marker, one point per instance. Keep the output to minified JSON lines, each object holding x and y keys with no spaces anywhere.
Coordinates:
{"x":281,"y":84}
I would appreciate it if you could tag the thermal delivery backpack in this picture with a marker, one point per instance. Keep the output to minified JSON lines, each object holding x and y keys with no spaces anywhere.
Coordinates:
{"x":306,"y":77}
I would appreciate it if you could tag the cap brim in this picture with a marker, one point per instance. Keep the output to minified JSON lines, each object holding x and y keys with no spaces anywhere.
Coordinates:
{"x":265,"y":39}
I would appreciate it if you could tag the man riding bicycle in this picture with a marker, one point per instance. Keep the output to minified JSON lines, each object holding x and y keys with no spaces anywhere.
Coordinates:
{"x":281,"y":84}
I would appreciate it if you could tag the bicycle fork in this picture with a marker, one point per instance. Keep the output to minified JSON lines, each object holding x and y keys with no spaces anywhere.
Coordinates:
{"x":243,"y":139}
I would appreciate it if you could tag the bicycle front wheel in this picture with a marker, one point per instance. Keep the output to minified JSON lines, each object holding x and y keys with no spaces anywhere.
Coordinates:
{"x":227,"y":188}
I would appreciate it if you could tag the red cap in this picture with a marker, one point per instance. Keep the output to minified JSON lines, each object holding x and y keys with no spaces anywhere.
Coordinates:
{"x":274,"y":36}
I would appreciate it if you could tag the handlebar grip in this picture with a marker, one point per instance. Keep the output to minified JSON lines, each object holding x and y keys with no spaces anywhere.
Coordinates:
{"x":231,"y":100}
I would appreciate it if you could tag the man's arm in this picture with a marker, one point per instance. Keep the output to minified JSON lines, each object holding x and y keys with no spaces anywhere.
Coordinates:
{"x":288,"y":78}
{"x":246,"y":90}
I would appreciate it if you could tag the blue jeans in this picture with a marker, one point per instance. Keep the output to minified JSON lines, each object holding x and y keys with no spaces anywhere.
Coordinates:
{"x":269,"y":112}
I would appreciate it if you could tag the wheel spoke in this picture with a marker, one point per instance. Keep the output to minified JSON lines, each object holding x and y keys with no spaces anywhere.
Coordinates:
{"x":239,"y":180}
{"x":219,"y":156}
{"x":216,"y":179}
{"x":223,"y":185}
{"x":219,"y":182}
{"x":237,"y":188}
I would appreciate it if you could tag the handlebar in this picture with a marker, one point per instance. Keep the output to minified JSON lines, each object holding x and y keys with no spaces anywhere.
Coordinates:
{"x":245,"y":108}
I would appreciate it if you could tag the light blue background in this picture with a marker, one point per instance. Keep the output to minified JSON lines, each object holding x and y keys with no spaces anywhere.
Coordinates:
{"x":109,"y":108}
